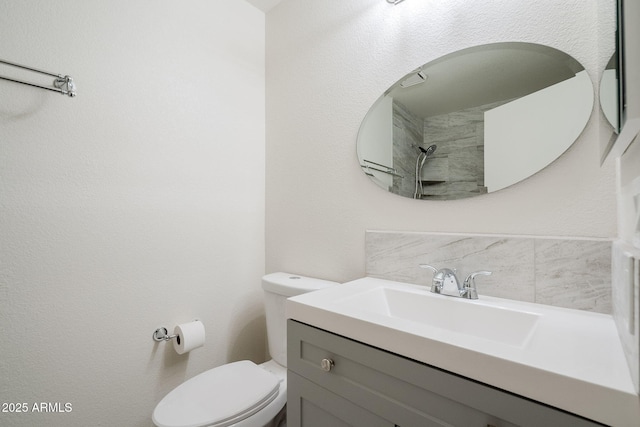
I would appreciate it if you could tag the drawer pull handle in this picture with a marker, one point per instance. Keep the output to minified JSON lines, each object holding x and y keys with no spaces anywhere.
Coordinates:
{"x":327,"y":364}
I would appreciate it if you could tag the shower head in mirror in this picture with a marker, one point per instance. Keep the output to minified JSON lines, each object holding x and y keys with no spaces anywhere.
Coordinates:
{"x":429,"y":150}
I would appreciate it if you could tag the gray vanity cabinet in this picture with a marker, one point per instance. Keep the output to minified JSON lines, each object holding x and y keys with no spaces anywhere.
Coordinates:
{"x":335,"y":381}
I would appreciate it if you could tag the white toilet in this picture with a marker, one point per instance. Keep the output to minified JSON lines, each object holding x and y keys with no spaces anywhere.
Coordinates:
{"x":242,"y":394}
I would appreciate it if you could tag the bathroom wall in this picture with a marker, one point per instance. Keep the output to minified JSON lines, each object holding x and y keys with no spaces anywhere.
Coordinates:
{"x":137,"y":204}
{"x":327,"y":63}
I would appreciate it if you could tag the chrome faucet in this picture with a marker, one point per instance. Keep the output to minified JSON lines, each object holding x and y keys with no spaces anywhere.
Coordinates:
{"x":446,"y":282}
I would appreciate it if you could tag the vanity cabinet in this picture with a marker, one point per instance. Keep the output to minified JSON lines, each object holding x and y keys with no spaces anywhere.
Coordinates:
{"x":336,"y":381}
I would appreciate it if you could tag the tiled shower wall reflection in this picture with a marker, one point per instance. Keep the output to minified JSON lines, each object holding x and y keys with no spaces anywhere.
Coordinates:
{"x":571,"y":273}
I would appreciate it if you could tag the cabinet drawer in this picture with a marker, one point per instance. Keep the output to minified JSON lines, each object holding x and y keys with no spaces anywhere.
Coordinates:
{"x":407,"y":392}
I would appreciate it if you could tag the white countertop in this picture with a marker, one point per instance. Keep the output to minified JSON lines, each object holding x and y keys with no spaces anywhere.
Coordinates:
{"x":573,"y":360}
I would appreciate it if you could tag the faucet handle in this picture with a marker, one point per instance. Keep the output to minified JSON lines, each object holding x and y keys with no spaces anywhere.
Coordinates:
{"x":436,"y":283}
{"x":429,"y":267}
{"x":470,"y":284}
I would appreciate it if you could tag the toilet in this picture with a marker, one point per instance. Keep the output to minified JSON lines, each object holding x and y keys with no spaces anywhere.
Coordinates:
{"x":242,"y":394}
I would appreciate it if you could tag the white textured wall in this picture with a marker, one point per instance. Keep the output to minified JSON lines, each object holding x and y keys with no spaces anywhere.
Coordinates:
{"x":328,"y":61}
{"x":139,"y":203}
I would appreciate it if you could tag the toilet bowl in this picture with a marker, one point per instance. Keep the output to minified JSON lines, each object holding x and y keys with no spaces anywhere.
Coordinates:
{"x":242,"y":394}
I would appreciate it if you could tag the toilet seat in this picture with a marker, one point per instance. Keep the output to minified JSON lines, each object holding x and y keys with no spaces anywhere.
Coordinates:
{"x":218,"y":397}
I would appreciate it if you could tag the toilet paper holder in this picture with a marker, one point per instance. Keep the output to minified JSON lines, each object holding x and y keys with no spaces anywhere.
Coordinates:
{"x":162,"y":334}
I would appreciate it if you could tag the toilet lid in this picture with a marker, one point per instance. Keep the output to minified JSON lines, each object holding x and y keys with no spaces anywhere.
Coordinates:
{"x":220,"y":397}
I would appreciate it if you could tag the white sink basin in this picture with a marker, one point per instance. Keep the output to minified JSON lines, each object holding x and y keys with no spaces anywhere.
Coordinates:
{"x":569,"y":359}
{"x":463,"y":316}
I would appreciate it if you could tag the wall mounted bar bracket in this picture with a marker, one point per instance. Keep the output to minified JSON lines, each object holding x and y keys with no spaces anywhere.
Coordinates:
{"x":62,"y":84}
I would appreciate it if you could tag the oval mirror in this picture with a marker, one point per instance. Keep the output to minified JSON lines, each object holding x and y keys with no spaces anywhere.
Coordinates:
{"x":475,"y":121}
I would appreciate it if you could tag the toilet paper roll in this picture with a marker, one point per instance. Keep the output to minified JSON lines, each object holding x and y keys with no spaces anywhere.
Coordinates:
{"x":189,"y":336}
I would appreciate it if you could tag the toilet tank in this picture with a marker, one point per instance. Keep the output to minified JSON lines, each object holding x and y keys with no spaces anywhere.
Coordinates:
{"x":277,"y":288}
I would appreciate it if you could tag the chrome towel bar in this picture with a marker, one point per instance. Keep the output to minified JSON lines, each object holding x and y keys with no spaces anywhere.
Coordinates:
{"x":62,"y":84}
{"x":387,"y":169}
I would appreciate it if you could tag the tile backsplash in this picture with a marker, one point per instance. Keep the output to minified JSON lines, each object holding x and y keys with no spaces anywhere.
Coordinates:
{"x":571,"y":273}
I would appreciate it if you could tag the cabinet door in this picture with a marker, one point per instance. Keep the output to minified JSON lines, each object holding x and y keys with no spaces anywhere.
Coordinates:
{"x":407,"y":392}
{"x":382,"y":383}
{"x":309,"y":405}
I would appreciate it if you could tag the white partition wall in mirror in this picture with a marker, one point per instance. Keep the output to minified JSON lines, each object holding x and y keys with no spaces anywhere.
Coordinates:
{"x":475,"y":121}
{"x":516,"y":145}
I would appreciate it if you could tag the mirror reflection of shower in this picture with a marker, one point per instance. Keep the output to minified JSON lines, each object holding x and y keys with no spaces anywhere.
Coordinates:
{"x":422,"y":157}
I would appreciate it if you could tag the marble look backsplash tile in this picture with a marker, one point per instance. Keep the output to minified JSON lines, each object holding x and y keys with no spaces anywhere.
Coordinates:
{"x":574,"y":274}
{"x":561,"y":272}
